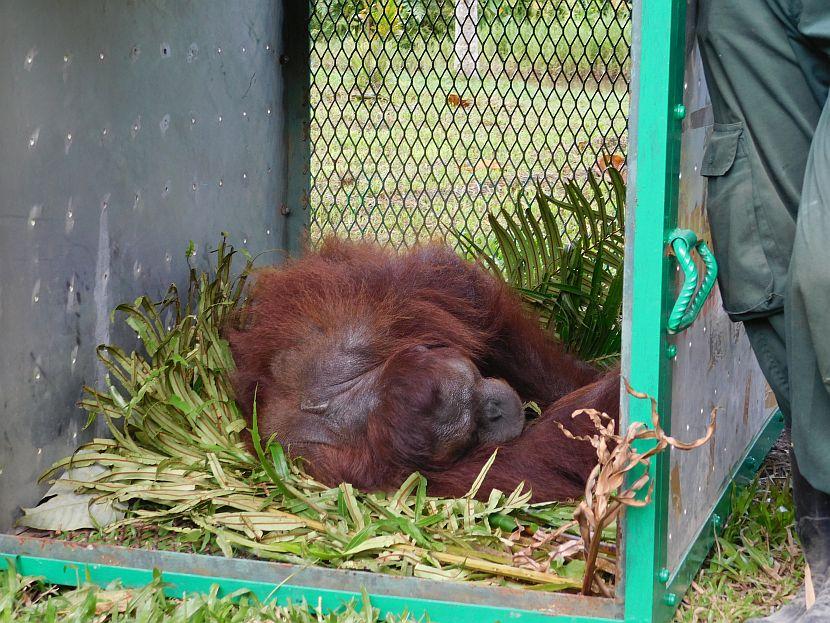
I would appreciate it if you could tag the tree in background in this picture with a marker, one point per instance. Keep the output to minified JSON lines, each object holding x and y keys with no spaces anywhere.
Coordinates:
{"x":466,"y":37}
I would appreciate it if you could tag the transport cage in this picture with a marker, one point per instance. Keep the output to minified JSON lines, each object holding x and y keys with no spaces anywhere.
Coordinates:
{"x":128,"y":129}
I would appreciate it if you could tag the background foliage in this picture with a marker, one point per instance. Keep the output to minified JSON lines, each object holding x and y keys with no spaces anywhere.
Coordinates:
{"x":405,"y":145}
{"x":405,"y":20}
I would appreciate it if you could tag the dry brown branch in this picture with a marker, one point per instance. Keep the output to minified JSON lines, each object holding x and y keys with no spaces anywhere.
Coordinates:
{"x":606,"y":492}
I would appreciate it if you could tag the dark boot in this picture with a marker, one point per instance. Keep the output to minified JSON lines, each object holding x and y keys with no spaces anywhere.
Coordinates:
{"x":820,"y":610}
{"x":812,"y":513}
{"x":812,"y":509}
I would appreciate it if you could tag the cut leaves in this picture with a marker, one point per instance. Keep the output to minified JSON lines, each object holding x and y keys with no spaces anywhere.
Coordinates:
{"x":180,"y":467}
{"x":71,"y":511}
{"x":63,"y":508}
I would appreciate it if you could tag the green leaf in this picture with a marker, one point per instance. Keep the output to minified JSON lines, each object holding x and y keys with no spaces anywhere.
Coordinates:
{"x":481,"y":476}
{"x":570,"y":275}
{"x":279,"y":459}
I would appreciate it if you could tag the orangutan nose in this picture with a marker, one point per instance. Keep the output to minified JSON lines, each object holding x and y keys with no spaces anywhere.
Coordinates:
{"x":501,"y":410}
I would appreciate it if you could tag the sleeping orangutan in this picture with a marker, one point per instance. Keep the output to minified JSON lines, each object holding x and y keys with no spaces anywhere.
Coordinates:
{"x":371,"y":365}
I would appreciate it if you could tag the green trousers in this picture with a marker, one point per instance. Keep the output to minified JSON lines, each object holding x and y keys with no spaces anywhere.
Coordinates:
{"x":767,"y":67}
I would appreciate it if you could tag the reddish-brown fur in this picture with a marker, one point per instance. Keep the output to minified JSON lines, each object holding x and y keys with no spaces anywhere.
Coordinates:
{"x":356,"y":300}
{"x":553,"y":466}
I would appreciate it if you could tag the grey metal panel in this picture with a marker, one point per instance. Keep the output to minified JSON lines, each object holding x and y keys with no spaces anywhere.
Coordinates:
{"x":296,"y":61}
{"x":126,"y":129}
{"x":714,"y":366}
{"x":628,"y":266}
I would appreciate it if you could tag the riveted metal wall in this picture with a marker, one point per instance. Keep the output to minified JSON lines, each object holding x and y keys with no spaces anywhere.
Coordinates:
{"x":714,"y":366}
{"x":126,"y":130}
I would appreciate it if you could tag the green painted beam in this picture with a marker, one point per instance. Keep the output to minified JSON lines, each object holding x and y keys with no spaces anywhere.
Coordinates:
{"x":69,"y":573}
{"x":658,"y":29}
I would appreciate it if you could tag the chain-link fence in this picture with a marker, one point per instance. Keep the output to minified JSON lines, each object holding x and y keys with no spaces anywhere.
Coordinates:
{"x":428,"y":113}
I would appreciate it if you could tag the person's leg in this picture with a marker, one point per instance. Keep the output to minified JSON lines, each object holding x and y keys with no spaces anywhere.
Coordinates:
{"x":813,"y":527}
{"x":808,"y":312}
{"x":767,"y":337}
{"x":767,"y":95}
{"x":765,"y":112}
{"x":808,"y":340}
{"x":812,"y":510}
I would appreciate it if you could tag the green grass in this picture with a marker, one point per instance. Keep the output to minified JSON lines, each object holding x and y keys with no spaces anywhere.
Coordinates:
{"x":756,"y":564}
{"x":394,"y":159}
{"x":28,"y":600}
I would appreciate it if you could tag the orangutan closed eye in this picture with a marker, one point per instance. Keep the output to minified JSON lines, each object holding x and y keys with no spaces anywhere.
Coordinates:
{"x":372,"y":365}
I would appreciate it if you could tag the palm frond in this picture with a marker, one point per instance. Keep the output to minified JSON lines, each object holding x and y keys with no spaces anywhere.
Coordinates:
{"x":564,"y":256}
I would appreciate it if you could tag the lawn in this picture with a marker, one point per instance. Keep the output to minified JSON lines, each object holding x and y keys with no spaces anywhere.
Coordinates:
{"x":406,"y":146}
{"x":756,"y":563}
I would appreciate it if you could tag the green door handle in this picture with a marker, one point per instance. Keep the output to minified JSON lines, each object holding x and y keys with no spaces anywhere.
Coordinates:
{"x":691,"y":298}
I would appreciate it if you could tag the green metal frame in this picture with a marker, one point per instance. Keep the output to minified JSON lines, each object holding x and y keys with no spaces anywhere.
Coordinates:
{"x":648,"y":592}
{"x":71,"y":573}
{"x":659,"y":60}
